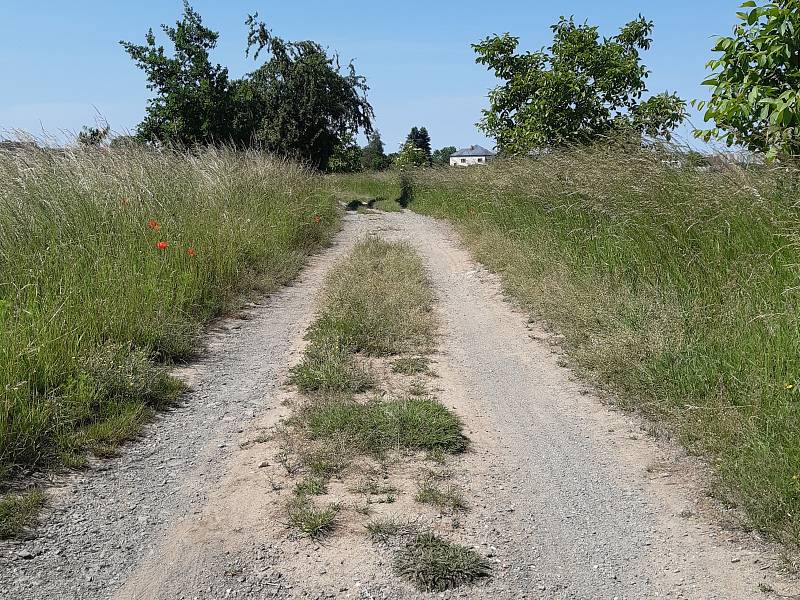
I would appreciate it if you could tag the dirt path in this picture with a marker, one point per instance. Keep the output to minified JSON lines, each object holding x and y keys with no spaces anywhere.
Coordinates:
{"x":569,"y":498}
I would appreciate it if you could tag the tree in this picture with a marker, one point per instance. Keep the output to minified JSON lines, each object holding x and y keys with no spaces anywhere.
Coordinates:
{"x":346,"y":157}
{"x":305,"y":106}
{"x":191,"y":105}
{"x":297,"y":104}
{"x":755,"y":90}
{"x":442,"y":156}
{"x":421,"y":139}
{"x":410,"y":156}
{"x":373,"y":156}
{"x":579,"y":89}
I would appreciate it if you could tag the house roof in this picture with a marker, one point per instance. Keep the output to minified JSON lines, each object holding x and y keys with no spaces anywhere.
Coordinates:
{"x":473,"y":151}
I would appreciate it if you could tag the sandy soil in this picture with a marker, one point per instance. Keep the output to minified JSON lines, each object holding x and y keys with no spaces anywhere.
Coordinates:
{"x":568,"y":498}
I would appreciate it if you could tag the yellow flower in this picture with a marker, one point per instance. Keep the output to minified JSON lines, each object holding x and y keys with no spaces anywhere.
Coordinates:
{"x":788,"y":386}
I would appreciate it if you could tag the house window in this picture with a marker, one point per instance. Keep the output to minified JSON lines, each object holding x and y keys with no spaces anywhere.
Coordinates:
{"x":480,"y":160}
{"x":463,"y":161}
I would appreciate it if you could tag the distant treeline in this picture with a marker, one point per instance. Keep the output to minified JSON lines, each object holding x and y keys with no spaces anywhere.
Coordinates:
{"x":583,"y":88}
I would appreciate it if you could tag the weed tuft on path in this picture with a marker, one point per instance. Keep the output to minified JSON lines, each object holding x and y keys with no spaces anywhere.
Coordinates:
{"x":381,"y":426}
{"x":308,"y":519}
{"x":435,"y":565}
{"x":412,"y":365}
{"x":449,"y":498}
{"x":18,"y":512}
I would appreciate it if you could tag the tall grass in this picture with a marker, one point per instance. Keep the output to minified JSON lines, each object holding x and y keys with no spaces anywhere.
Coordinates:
{"x":675,"y":286}
{"x":110,"y":263}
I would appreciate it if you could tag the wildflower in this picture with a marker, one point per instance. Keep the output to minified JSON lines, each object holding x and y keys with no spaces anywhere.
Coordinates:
{"x":788,"y":386}
{"x":191,"y":252}
{"x":317,"y":219}
{"x":162,"y":245}
{"x":153,"y":225}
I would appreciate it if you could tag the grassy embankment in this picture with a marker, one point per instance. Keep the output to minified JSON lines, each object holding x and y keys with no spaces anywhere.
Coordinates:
{"x":110,"y":263}
{"x":356,"y":419}
{"x":675,"y":287}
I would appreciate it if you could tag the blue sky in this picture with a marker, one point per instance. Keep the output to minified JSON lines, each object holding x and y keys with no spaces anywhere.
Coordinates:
{"x":62,"y":65}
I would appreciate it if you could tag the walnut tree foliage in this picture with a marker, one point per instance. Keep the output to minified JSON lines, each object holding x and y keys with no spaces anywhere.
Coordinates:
{"x":755,"y":87}
{"x":581,"y":88}
{"x":300,"y":102}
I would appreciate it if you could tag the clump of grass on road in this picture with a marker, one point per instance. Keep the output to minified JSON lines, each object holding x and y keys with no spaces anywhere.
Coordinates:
{"x":110,"y":263}
{"x":383,"y":529}
{"x":435,"y":565}
{"x":412,"y":365}
{"x":371,"y":487}
{"x":310,"y":520}
{"x":18,"y":512}
{"x":311,"y":486}
{"x":328,"y":366}
{"x":380,"y":426}
{"x":675,"y":285}
{"x":375,"y":303}
{"x":448,"y":498}
{"x":378,"y":302}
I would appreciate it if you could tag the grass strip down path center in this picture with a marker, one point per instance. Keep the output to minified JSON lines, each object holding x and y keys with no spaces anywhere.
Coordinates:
{"x":376,"y":317}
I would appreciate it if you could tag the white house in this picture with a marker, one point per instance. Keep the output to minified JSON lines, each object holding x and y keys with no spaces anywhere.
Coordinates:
{"x":474,"y":155}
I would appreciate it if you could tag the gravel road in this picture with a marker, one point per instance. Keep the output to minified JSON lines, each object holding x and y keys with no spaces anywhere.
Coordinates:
{"x":569,"y":498}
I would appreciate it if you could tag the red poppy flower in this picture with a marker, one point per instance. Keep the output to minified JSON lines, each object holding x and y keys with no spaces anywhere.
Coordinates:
{"x":317,"y":219}
{"x":153,"y":224}
{"x":162,"y":245}
{"x":191,"y":252}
